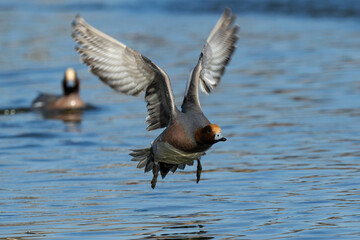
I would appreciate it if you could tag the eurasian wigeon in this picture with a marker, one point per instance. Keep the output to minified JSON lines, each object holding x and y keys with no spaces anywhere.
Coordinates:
{"x":70,"y":99}
{"x":188,"y":133}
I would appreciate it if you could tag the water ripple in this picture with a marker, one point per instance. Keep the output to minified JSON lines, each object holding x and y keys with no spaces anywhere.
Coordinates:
{"x":289,"y":169}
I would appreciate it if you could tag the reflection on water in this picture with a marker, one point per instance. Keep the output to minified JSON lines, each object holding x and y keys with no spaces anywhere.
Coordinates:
{"x":64,"y":115}
{"x":12,"y":111}
{"x":287,"y":105}
{"x":67,"y":115}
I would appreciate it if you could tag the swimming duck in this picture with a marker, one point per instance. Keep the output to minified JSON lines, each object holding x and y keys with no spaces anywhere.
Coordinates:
{"x":69,"y":100}
{"x":188,"y":133}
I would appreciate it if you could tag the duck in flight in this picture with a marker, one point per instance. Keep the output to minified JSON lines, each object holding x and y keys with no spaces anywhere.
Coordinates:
{"x":188,"y":133}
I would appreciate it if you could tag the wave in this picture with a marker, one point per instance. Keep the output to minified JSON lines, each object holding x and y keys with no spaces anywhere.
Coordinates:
{"x":313,"y":8}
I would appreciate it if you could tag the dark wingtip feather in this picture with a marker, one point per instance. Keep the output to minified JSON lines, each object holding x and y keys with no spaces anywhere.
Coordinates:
{"x":227,"y":11}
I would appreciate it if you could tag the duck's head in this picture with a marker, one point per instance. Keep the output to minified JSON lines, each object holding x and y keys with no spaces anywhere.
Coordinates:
{"x":209,"y":134}
{"x":70,"y":82}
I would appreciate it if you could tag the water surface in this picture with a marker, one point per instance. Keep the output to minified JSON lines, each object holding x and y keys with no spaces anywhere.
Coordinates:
{"x":288,"y":104}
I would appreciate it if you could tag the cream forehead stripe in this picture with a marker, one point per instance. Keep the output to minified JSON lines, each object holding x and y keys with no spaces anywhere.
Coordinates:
{"x":215,"y":128}
{"x":70,"y":74}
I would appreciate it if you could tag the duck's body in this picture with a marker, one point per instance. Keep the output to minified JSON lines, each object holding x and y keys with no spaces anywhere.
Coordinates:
{"x":188,"y":133}
{"x":177,"y":143}
{"x":68,"y":101}
{"x":44,"y":100}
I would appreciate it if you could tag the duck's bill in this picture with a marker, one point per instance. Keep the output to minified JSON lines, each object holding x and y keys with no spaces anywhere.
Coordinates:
{"x":219,"y":137}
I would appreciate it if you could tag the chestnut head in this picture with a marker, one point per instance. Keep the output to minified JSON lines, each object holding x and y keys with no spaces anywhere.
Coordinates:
{"x":70,"y":82}
{"x":209,"y":134}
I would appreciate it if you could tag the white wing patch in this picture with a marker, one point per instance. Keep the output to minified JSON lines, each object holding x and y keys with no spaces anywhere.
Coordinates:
{"x":126,"y":71}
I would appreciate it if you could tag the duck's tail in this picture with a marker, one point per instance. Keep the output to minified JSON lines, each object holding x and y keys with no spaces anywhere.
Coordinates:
{"x":145,"y":158}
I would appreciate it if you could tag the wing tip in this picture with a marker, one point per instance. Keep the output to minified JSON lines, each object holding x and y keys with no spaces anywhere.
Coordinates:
{"x":76,"y":20}
{"x":227,"y":11}
{"x":228,"y":15}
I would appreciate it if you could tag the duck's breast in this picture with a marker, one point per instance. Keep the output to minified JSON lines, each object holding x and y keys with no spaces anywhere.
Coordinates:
{"x":165,"y":152}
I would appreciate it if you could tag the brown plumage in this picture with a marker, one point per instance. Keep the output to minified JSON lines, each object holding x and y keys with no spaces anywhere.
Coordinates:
{"x":70,"y":98}
{"x":188,"y":133}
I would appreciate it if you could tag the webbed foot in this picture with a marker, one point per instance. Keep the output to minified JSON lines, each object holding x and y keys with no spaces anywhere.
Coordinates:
{"x":198,"y":171}
{"x":156,"y":169}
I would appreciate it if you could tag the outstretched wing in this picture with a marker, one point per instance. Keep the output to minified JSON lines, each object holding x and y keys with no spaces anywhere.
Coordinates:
{"x":126,"y":71}
{"x":215,"y":55}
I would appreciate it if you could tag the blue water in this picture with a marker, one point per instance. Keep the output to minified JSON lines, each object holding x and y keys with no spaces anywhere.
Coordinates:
{"x":288,"y":104}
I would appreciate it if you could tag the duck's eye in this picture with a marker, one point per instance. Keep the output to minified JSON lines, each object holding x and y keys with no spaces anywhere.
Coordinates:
{"x":208,"y":130}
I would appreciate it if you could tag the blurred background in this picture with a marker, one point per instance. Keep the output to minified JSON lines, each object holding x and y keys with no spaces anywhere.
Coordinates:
{"x":288,"y":104}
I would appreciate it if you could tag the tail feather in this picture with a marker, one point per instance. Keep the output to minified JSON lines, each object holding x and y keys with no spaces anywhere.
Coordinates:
{"x":145,"y":158}
{"x":166,"y":167}
{"x":149,"y":165}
